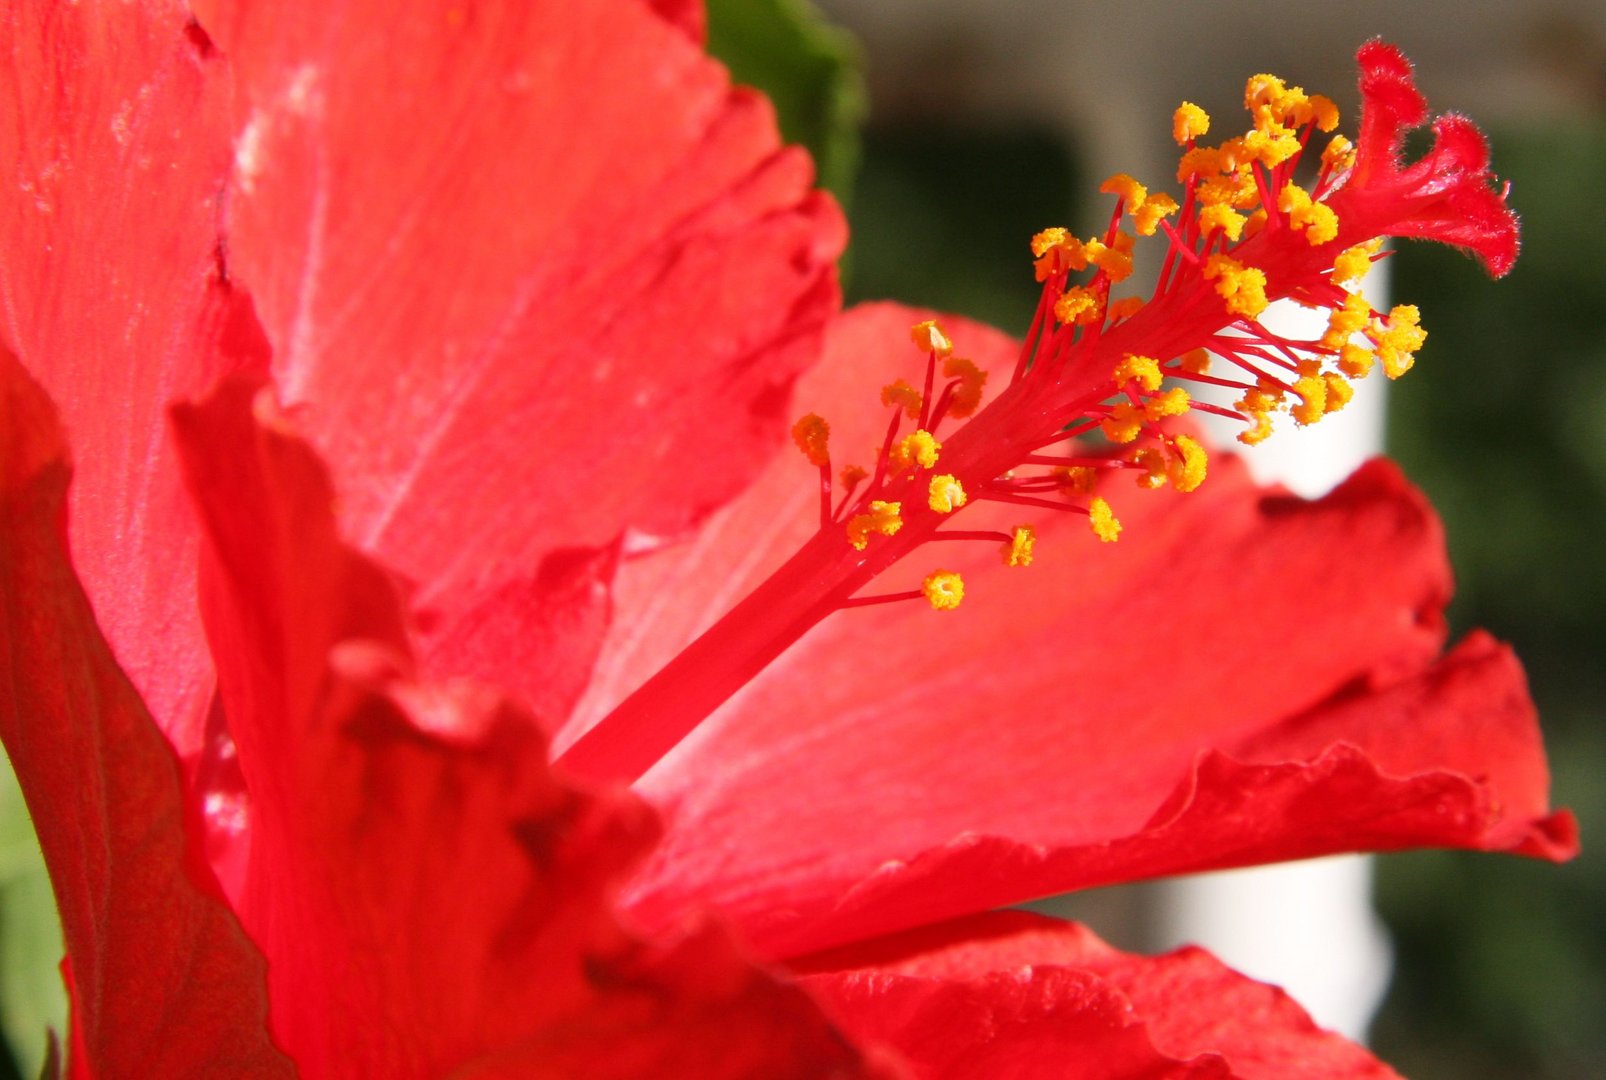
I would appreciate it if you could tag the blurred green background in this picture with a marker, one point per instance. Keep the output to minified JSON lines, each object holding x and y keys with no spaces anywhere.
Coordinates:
{"x":1501,"y":963}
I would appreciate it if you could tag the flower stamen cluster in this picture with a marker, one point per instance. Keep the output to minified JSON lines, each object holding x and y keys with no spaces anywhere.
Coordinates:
{"x":1099,"y":385}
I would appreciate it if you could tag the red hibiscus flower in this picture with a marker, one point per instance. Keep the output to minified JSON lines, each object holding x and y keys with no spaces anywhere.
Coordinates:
{"x":404,"y":355}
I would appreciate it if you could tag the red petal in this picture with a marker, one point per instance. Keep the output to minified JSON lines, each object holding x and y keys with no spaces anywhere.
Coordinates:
{"x":534,"y":274}
{"x":164,"y":981}
{"x":429,"y":895}
{"x":116,"y":130}
{"x":1019,"y":995}
{"x":1210,"y":691}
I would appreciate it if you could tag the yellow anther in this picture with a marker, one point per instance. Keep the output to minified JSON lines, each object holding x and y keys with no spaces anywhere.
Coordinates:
{"x":966,"y":397}
{"x":1271,"y":146}
{"x":1077,"y":479}
{"x":1339,"y":153}
{"x":1236,"y":189}
{"x":1123,"y":424}
{"x":1152,"y":460}
{"x":1292,"y":198}
{"x":1224,"y":218}
{"x":1103,"y":521}
{"x":1242,"y":287}
{"x":1355,"y":360}
{"x":1144,"y":370}
{"x":1346,"y":320}
{"x":1048,"y":240}
{"x":1323,"y":111}
{"x":944,"y":589}
{"x":928,"y":337}
{"x":1339,"y":391}
{"x":1079,"y":305}
{"x":1115,"y":260}
{"x":1188,"y":465}
{"x":946,"y":494}
{"x":1017,"y":550}
{"x":1258,"y":432}
{"x":1257,"y":221}
{"x":1130,"y":191}
{"x":1189,"y":122}
{"x":904,"y":396}
{"x":1196,"y":361}
{"x":1202,"y":161}
{"x":917,"y":448}
{"x":1257,"y":405}
{"x":1147,"y":218}
{"x":1174,"y":402}
{"x":1399,"y":339}
{"x":1124,"y":308}
{"x":1312,"y":391}
{"x":1317,"y":220}
{"x":1351,"y":264}
{"x":1263,"y":93}
{"x":1056,"y":251}
{"x":852,"y":476}
{"x":1234,"y":155}
{"x":881,"y":517}
{"x":812,"y":435}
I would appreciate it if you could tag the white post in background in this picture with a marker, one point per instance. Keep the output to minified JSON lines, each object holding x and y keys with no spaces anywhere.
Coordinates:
{"x":1308,"y":927}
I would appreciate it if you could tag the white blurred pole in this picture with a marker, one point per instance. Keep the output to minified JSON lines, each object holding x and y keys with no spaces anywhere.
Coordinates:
{"x":1308,"y":927}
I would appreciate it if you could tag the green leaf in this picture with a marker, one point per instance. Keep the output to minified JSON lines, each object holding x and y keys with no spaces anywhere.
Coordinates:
{"x":810,"y":70}
{"x":32,"y":997}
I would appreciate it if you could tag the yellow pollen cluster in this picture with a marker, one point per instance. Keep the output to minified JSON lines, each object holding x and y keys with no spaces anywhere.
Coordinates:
{"x":1145,"y":209}
{"x":812,"y":435}
{"x":917,"y":448}
{"x":1076,"y":479}
{"x":1124,"y":308}
{"x":904,"y":396}
{"x":1017,"y":550}
{"x":1355,"y":360}
{"x":1399,"y":339}
{"x":928,"y":337}
{"x":1338,"y":154}
{"x":1351,"y":264}
{"x":1224,"y":218}
{"x":966,"y":397}
{"x":1339,"y":391}
{"x":1102,"y":519}
{"x":1189,"y":464}
{"x":881,"y":517}
{"x":1174,"y":402}
{"x":1114,"y":259}
{"x":946,"y":494}
{"x":1273,"y":103}
{"x":1123,"y":424}
{"x":1189,"y":122}
{"x":1196,"y":361}
{"x":1316,"y":220}
{"x":1312,"y":393}
{"x":1079,"y":305}
{"x":1243,"y":287}
{"x":1346,"y":320}
{"x":1180,"y":462}
{"x":1144,"y":370}
{"x":945,"y":590}
{"x":1127,"y":188}
{"x":1057,"y":251}
{"x":1258,"y":405}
